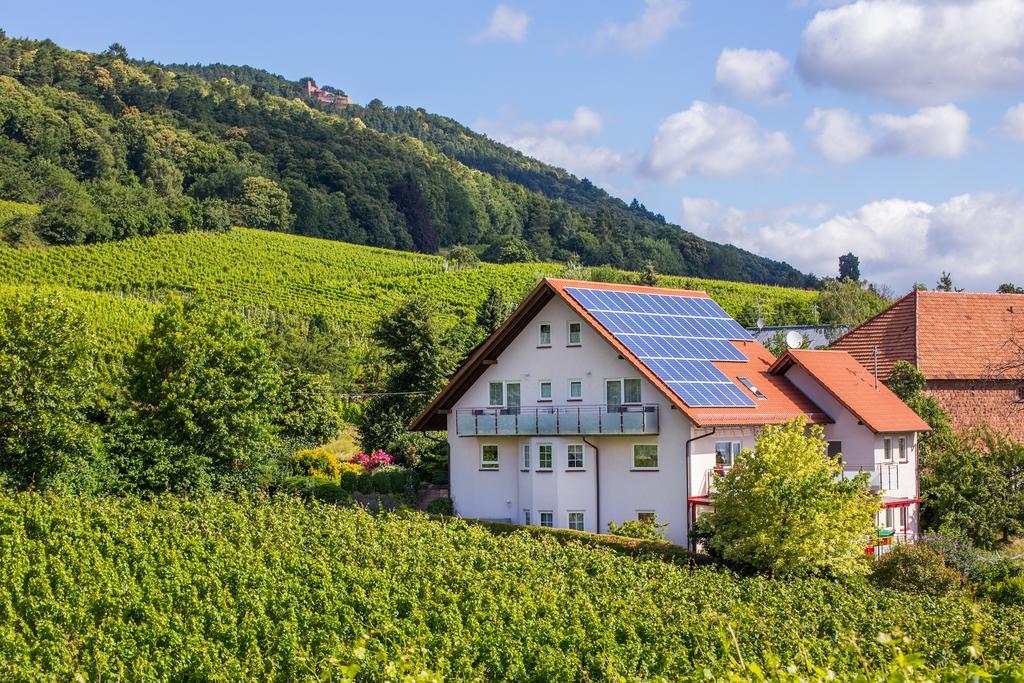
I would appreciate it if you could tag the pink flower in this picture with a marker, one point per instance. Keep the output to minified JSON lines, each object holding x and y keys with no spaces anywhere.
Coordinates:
{"x":372,"y":461}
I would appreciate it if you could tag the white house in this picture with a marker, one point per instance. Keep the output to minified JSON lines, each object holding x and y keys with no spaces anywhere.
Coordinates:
{"x":596,"y":403}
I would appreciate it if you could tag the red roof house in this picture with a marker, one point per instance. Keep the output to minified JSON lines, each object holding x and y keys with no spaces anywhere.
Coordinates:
{"x":969,"y":346}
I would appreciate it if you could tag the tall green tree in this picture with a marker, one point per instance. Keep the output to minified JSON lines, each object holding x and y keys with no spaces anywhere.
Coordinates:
{"x":48,"y":385}
{"x":849,"y":267}
{"x":493,"y":310}
{"x":414,"y":347}
{"x":784,"y":510}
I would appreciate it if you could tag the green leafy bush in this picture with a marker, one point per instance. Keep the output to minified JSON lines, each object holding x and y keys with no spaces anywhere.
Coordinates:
{"x":1009,"y":591}
{"x":441,"y":506}
{"x":647,"y":529}
{"x":918,"y":569}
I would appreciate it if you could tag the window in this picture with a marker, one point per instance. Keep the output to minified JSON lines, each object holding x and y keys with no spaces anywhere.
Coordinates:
{"x":526,"y":517}
{"x":489,"y":457}
{"x":622,"y":391}
{"x":726,"y":452}
{"x":576,"y":522}
{"x":645,"y":456}
{"x":504,"y":394}
{"x":575,"y":333}
{"x":545,"y":390}
{"x":547,"y":518}
{"x":750,"y":385}
{"x":887,"y":449}
{"x":835,"y":449}
{"x":645,"y":516}
{"x":526,"y":456}
{"x":902,"y":518}
{"x":1020,"y":394}
{"x":574,"y":456}
{"x":904,"y":453}
{"x":544,"y":456}
{"x":889,"y":518}
{"x":544,"y":334}
{"x":575,"y":390}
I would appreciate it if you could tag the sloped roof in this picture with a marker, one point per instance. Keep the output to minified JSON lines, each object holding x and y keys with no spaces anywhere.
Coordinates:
{"x":855,"y":388}
{"x":783,"y":400}
{"x":946,"y":335}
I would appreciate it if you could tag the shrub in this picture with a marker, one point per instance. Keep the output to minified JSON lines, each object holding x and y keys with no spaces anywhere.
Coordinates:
{"x":645,"y":529}
{"x":1006,"y":592}
{"x":370,"y":462}
{"x":916,"y":569}
{"x":441,"y":506}
{"x":782,"y":510}
{"x":317,"y":462}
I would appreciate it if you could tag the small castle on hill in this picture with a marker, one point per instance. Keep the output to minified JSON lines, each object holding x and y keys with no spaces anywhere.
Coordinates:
{"x":327,"y":96}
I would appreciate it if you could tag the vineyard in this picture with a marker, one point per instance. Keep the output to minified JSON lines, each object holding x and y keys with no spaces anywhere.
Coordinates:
{"x":9,"y":209}
{"x":258,"y":270}
{"x":281,"y":590}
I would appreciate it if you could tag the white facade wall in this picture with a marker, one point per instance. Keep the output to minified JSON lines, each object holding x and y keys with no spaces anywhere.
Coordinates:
{"x":505,"y":493}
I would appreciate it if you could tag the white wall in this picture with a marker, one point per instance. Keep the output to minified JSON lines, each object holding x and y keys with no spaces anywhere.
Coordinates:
{"x":503,"y":494}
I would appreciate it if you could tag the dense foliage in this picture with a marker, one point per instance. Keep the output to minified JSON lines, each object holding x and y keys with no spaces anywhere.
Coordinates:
{"x":783,"y":508}
{"x":114,"y":148}
{"x":279,"y":590}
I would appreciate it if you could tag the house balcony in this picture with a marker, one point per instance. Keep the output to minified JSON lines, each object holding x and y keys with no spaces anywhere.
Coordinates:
{"x":571,"y":420}
{"x":883,"y":476}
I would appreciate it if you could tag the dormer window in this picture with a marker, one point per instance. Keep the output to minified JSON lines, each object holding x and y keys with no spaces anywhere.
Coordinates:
{"x":750,"y":385}
{"x":575,"y":336}
{"x":544,"y":334}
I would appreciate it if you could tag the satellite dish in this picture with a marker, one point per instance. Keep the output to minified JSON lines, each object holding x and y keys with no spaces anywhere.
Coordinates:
{"x":794,"y":339}
{"x":760,"y":323}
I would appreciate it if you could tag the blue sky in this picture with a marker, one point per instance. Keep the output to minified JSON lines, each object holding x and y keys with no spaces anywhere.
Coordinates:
{"x":800,"y":129}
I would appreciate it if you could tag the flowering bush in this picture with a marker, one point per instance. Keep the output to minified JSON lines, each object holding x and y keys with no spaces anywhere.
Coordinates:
{"x":372,"y":461}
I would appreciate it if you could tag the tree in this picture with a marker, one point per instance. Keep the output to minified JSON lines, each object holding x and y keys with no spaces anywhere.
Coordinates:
{"x":649,"y":276}
{"x":945,"y":283}
{"x":413,"y":343}
{"x":203,"y":382}
{"x":849,"y":267}
{"x":1009,"y":288}
{"x":966,"y":487}
{"x":493,"y":310}
{"x":463,"y":258}
{"x":309,"y":412}
{"x":262,"y":204}
{"x":848,"y":303}
{"x":47,"y":387}
{"x":783,"y":508}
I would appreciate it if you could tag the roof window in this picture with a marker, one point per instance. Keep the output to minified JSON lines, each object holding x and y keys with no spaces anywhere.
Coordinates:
{"x":750,"y":385}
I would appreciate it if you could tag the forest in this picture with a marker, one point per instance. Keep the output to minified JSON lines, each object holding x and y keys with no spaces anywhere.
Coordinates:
{"x":112,"y":148}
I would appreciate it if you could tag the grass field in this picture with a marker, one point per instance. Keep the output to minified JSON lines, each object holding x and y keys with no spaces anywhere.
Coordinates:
{"x":274,"y":589}
{"x":258,"y":270}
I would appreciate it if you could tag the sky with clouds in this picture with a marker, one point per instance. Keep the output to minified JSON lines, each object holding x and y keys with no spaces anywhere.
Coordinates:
{"x":798,"y":129}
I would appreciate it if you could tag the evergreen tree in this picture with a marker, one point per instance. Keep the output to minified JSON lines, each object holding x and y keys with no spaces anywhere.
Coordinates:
{"x":849,"y":267}
{"x":493,"y":311}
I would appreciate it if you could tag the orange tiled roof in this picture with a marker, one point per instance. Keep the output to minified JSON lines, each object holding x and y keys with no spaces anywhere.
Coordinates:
{"x":947,"y":335}
{"x":855,"y":388}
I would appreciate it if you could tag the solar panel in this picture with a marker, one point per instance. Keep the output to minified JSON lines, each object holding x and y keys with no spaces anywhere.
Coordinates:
{"x":677,"y":337}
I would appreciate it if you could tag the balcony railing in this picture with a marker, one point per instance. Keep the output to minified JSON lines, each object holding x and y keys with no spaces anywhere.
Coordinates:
{"x":557,"y":420}
{"x":883,"y":476}
{"x":884,"y":540}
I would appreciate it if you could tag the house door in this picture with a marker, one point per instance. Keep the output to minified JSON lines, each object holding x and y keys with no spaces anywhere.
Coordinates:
{"x":512,"y":397}
{"x":613,"y":394}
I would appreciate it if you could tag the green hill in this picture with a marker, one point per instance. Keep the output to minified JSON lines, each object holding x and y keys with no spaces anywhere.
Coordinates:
{"x":114,"y":148}
{"x":258,"y":270}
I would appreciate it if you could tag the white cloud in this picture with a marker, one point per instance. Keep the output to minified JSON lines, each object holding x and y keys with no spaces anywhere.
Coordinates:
{"x":507,"y":23}
{"x":650,"y":28}
{"x":1013,"y":123}
{"x":563,"y":143}
{"x":714,"y":140}
{"x":842,"y":137}
{"x":752,"y":75}
{"x":916,"y":51}
{"x":899,"y":241}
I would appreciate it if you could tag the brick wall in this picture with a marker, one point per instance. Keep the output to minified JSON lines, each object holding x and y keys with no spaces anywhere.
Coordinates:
{"x":971,"y":403}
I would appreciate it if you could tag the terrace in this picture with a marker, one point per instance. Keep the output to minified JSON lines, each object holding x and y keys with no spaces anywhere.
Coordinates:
{"x":557,"y":420}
